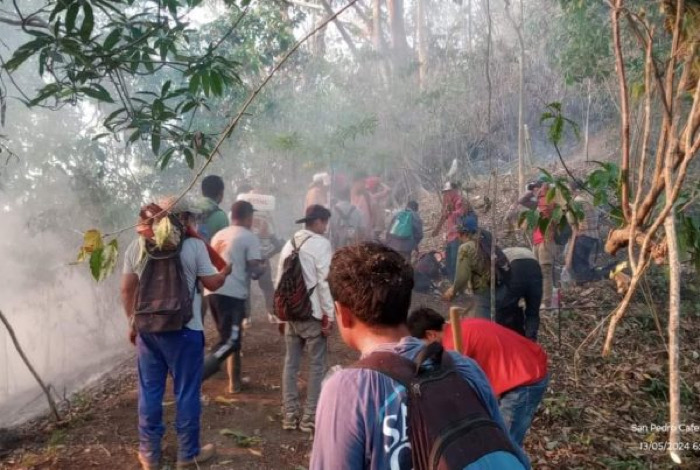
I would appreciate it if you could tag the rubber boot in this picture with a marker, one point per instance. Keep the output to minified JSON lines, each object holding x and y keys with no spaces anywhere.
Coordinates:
{"x":236,"y":384}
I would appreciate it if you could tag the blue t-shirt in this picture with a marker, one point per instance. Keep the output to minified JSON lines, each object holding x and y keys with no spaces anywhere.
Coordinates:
{"x":361,"y":419}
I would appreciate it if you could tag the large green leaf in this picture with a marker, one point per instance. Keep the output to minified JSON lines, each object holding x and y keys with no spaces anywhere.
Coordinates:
{"x":88,"y":22}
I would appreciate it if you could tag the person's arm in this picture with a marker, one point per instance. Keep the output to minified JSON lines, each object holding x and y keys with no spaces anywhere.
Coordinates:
{"x":417,"y":229}
{"x":206,"y":272}
{"x":323,"y":264}
{"x":528,"y":200}
{"x":472,"y":373}
{"x":340,"y":441}
{"x":129,"y":285}
{"x":254,"y":261}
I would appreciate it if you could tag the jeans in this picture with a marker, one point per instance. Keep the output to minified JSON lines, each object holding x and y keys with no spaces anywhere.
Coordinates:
{"x":451,"y":251}
{"x":545,"y":253}
{"x":180,"y":353}
{"x":297,"y":335}
{"x":518,"y":407}
{"x":525,"y":283}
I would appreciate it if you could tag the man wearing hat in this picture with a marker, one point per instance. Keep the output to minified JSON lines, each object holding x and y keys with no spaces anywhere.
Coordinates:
{"x":171,"y":351}
{"x":473,"y":267}
{"x":315,"y":257}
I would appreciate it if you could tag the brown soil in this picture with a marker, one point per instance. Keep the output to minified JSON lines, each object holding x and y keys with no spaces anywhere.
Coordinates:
{"x":584,"y":423}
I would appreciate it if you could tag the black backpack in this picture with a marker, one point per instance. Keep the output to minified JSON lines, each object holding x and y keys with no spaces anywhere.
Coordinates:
{"x":502,"y":264}
{"x":449,"y":427}
{"x":163,"y":300}
{"x":292,"y":299}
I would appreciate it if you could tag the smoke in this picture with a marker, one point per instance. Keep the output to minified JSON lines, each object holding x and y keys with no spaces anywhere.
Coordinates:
{"x":68,"y":326}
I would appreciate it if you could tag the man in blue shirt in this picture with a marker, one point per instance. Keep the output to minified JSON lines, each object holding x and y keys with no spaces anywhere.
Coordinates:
{"x":362,"y":415}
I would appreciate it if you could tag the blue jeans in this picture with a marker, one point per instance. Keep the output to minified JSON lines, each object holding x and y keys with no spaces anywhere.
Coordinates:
{"x":518,"y":407}
{"x":451,"y":251}
{"x":181,"y":354}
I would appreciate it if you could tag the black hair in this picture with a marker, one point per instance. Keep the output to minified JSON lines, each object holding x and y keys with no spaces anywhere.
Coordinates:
{"x":423,"y":319}
{"x":374,"y":282}
{"x":241,"y":209}
{"x":413,"y":205}
{"x":212,"y":186}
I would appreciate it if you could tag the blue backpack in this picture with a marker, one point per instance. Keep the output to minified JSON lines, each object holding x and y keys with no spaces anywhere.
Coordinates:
{"x":403,"y":225}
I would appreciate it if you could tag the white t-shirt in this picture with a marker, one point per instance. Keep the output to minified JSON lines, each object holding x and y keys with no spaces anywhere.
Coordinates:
{"x":195,"y":263}
{"x":237,"y":245}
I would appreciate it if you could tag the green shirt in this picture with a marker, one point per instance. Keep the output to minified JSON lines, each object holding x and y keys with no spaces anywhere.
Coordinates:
{"x":471,"y":267}
{"x":217,"y":219}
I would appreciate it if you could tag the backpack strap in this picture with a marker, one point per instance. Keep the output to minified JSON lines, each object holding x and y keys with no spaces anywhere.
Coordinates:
{"x":392,"y":365}
{"x":294,"y":245}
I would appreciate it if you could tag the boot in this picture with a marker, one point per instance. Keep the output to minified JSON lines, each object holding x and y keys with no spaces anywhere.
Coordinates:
{"x":234,"y":373}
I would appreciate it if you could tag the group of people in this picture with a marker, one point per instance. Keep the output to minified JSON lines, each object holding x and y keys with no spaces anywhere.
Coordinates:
{"x":360,"y":209}
{"x":363,"y":288}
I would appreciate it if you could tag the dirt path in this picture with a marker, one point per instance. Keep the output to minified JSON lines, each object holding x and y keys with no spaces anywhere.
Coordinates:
{"x":582,"y":424}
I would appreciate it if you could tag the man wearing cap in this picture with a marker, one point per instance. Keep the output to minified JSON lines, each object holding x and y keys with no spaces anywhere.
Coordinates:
{"x":315,"y":257}
{"x":241,"y":248}
{"x":453,"y":207}
{"x":473,"y":267}
{"x":178,"y":353}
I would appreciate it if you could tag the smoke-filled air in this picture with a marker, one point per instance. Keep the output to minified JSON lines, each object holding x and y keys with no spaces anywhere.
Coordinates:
{"x":349,"y":234}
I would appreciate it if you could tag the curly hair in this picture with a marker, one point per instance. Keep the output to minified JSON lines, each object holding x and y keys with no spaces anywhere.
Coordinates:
{"x":374,"y":282}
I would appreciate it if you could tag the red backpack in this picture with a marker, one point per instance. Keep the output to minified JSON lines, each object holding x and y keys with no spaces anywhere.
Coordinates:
{"x":292,"y":299}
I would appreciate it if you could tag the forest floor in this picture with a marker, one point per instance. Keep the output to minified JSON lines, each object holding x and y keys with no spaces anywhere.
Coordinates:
{"x":593,"y":415}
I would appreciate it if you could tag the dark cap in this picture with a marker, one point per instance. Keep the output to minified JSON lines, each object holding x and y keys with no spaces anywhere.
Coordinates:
{"x":315,"y":212}
{"x":467,"y":224}
{"x":241,"y":209}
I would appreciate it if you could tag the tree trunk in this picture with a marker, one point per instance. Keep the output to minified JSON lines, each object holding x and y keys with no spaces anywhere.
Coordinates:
{"x":377,"y":25}
{"x":341,"y":29}
{"x":588,"y":115}
{"x":469,"y":26}
{"x":674,"y":313}
{"x":398,"y":28}
{"x":422,"y":37}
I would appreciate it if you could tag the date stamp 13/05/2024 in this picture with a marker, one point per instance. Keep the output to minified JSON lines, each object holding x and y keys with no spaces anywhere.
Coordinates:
{"x":652,"y":437}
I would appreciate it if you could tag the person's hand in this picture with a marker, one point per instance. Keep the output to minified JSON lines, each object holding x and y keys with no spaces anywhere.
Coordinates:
{"x":227,"y":269}
{"x":132,"y":334}
{"x":326,"y":326}
{"x":449,"y":294}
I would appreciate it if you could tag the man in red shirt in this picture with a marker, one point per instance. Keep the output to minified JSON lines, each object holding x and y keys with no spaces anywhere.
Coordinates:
{"x":515,"y":366}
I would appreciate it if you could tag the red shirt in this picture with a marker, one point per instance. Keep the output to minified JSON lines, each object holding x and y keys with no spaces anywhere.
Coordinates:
{"x":452,"y":207}
{"x":508,"y":359}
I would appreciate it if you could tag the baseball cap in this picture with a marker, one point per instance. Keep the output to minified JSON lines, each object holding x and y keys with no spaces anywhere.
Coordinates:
{"x":467,"y":224}
{"x":315,"y":212}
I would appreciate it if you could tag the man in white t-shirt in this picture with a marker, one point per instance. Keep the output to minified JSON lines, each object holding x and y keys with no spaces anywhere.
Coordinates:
{"x":240,"y":247}
{"x":178,"y":353}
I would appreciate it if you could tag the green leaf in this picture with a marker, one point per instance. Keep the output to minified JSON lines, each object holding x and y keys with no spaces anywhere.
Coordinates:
{"x":206,"y":83}
{"x":166,"y":156}
{"x":112,"y":39}
{"x":217,"y":86}
{"x":97,"y":92}
{"x":71,"y":15}
{"x":155,"y":139}
{"x":164,"y":89}
{"x":194,"y":84}
{"x":189,"y":157}
{"x":88,"y":22}
{"x":96,"y":263}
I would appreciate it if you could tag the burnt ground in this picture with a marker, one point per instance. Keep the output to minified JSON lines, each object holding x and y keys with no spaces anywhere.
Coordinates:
{"x":587,"y":420}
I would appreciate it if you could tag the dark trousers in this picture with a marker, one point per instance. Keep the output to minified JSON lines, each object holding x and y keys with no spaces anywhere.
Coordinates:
{"x":525,"y":283}
{"x":179,"y":353}
{"x":582,"y":268}
{"x":451,"y":252}
{"x":228,"y":313}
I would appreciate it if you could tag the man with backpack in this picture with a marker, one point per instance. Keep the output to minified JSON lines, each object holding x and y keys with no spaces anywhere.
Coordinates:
{"x":347,"y":227}
{"x":159,"y":295}
{"x":515,"y":366}
{"x":238,"y":245}
{"x":303,"y":300}
{"x":212,"y":218}
{"x":402,"y":406}
{"x":525,"y":285}
{"x":405,"y":231}
{"x":474,"y":267}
